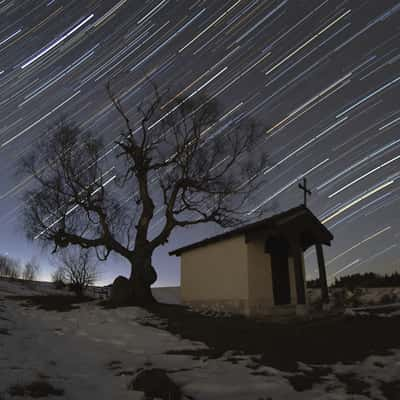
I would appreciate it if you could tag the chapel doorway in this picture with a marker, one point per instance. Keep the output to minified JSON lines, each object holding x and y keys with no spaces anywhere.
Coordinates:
{"x":279,"y":251}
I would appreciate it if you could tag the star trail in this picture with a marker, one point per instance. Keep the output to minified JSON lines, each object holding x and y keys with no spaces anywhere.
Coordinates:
{"x":322,"y":76}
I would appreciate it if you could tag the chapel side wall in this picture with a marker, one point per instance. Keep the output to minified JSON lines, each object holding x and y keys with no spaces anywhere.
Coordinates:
{"x":261,"y":297}
{"x":215,"y":276}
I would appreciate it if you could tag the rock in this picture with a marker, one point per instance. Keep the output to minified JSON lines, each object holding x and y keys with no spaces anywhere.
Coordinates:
{"x":155,"y":383}
{"x":121,"y":292}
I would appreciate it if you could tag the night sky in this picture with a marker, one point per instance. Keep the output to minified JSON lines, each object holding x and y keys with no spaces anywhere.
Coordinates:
{"x":322,"y":76}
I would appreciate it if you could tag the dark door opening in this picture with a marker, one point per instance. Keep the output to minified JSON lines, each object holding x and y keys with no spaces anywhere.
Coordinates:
{"x":280,"y":273}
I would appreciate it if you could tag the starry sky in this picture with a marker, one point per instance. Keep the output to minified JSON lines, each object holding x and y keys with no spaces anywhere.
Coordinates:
{"x":322,"y":76}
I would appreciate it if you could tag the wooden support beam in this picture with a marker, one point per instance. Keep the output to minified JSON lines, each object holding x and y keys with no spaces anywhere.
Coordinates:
{"x":322,"y":273}
{"x":298,"y":272}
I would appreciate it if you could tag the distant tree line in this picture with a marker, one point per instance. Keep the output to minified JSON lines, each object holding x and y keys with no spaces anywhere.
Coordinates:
{"x":9,"y":268}
{"x":365,"y":280}
{"x":12,"y":269}
{"x":76,"y":270}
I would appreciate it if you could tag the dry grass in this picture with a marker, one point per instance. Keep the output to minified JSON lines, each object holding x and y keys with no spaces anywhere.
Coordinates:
{"x":35,"y":389}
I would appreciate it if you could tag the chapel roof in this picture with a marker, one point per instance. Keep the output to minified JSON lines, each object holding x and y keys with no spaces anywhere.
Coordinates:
{"x":298,"y":218}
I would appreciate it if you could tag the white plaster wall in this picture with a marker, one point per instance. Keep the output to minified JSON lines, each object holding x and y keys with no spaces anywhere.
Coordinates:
{"x":215,"y":272}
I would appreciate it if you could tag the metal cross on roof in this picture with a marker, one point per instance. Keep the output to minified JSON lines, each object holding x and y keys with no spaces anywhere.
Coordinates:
{"x":305,"y":190}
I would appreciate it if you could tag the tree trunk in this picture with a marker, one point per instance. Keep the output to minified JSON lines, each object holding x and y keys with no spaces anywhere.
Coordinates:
{"x":143,"y":275}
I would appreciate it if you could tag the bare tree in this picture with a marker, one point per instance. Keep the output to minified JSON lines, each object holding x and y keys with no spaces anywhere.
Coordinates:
{"x":58,"y":278}
{"x":77,"y":270}
{"x":9,"y":268}
{"x":177,"y":163}
{"x":31,"y":270}
{"x":3,"y":265}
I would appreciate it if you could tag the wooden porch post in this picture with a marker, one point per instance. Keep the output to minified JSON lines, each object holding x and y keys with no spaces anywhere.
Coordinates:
{"x":322,"y":273}
{"x":298,"y":272}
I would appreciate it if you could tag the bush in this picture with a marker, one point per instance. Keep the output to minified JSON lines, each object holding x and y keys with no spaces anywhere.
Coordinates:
{"x":389,"y":298}
{"x":76,"y":270}
{"x":339,"y":298}
{"x":59,"y":284}
{"x":355,"y":298}
{"x":58,"y":278}
{"x":155,"y":382}
{"x":345,"y":298}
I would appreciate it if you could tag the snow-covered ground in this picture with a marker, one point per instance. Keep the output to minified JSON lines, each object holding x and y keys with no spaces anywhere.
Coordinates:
{"x":92,"y":353}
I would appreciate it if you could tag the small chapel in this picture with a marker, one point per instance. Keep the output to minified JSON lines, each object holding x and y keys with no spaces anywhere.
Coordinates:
{"x":257,"y":269}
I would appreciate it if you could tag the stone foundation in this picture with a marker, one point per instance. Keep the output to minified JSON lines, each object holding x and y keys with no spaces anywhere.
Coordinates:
{"x":233,"y":306}
{"x":242,"y":307}
{"x":301,"y":310}
{"x":288,"y":310}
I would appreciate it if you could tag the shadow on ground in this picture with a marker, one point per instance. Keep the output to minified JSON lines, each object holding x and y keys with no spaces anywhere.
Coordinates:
{"x":282,"y":344}
{"x":60,"y":303}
